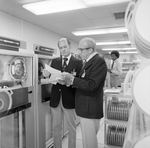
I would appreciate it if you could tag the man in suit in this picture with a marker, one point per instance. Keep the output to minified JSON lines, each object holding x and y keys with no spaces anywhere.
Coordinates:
{"x":62,"y":100}
{"x":89,"y":91}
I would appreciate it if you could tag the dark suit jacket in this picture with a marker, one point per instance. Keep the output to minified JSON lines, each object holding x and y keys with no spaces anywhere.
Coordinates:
{"x":68,"y":93}
{"x":89,"y":92}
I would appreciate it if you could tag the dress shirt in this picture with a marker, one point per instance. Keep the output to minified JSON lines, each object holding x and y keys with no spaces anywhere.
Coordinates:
{"x":117,"y":68}
{"x":92,"y":55}
{"x":112,"y":65}
{"x":67,"y":60}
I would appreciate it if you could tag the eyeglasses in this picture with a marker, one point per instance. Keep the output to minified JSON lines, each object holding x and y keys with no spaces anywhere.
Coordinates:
{"x":63,"y":47}
{"x":81,"y":49}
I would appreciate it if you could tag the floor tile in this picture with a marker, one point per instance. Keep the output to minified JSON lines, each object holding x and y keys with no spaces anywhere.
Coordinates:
{"x":100,"y":137}
{"x":79,"y":144}
{"x":65,"y":143}
{"x":101,"y":146}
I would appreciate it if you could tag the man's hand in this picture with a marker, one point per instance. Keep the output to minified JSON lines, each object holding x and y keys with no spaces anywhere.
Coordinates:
{"x":62,"y":82}
{"x":68,"y":78}
{"x":46,"y":73}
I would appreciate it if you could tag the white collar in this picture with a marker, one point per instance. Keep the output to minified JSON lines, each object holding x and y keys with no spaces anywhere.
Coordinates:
{"x":91,"y":56}
{"x":67,"y":58}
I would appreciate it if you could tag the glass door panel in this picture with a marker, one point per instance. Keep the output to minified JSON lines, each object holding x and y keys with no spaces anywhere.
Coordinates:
{"x":12,"y":131}
{"x":48,"y":124}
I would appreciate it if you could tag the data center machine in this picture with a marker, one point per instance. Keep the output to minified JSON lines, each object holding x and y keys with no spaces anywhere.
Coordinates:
{"x":16,"y":95}
{"x":43,"y":56}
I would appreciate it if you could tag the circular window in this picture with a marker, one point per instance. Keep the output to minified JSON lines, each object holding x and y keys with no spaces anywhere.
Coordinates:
{"x":17,"y":69}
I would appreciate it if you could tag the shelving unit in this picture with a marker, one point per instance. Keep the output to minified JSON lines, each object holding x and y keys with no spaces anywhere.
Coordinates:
{"x":116,"y":118}
{"x":138,"y":127}
{"x":16,"y":98}
{"x":126,"y":66}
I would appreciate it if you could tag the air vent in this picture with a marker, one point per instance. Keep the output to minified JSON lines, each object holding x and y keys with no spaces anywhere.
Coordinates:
{"x":119,"y":15}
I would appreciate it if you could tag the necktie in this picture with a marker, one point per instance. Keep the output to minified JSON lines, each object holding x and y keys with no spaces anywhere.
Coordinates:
{"x":112,"y":65}
{"x":64,"y":64}
{"x":84,"y":62}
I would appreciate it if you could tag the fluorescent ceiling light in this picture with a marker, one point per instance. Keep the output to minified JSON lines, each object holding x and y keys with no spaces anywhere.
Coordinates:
{"x":126,"y":52}
{"x":53,"y":6}
{"x":108,"y":49}
{"x":100,"y":31}
{"x":113,"y":43}
{"x":103,"y":2}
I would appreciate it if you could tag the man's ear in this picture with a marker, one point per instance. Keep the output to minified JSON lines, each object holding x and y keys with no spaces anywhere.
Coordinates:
{"x":91,"y":50}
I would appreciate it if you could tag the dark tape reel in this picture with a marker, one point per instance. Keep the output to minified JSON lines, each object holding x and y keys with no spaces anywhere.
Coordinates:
{"x":5,"y":101}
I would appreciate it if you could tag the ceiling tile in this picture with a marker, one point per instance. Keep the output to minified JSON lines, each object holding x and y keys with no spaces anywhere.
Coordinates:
{"x":120,"y":22}
{"x":85,"y":24}
{"x":66,"y":26}
{"x":118,"y":7}
{"x":72,"y":15}
{"x":96,"y":12}
{"x":22,"y":1}
{"x":104,"y":22}
{"x":52,"y":18}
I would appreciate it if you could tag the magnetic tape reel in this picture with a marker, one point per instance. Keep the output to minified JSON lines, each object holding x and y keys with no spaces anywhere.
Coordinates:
{"x":18,"y":69}
{"x":5,"y":99}
{"x":143,"y":141}
{"x":140,"y":89}
{"x":41,"y":66}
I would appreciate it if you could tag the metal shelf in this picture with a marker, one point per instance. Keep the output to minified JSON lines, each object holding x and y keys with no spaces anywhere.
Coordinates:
{"x":108,"y":122}
{"x":111,"y":146}
{"x":116,"y":122}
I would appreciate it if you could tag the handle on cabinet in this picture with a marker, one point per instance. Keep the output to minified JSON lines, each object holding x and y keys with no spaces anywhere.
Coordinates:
{"x":30,"y":92}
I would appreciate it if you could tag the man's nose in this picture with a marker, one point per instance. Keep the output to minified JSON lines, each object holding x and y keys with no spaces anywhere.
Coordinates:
{"x":63,"y":48}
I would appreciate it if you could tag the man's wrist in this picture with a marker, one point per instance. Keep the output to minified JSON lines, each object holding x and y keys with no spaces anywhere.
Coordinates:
{"x":72,"y":81}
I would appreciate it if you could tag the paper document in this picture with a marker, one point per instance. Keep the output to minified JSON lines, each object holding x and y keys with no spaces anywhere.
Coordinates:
{"x":52,"y":70}
{"x":55,"y":75}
